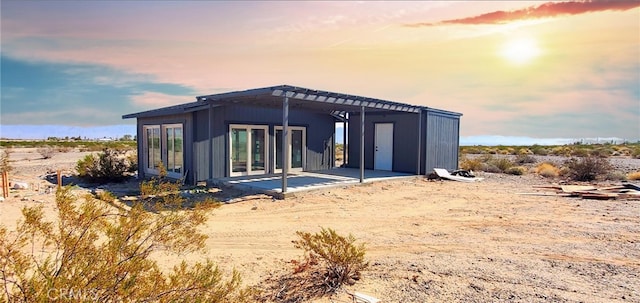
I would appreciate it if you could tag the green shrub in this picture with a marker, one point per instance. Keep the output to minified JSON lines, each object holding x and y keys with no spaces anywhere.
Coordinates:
{"x":108,"y":166}
{"x":587,"y":168}
{"x":338,"y":257}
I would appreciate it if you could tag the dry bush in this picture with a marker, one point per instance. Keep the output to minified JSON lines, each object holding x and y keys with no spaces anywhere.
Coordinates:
{"x":64,"y":149}
{"x":539,"y":150}
{"x":516,"y":170}
{"x":615,"y":176}
{"x":46,"y":152}
{"x":587,"y":168}
{"x":109,"y":166}
{"x":5,"y":166}
{"x":93,"y":252}
{"x":470,"y":164}
{"x":634,"y":176}
{"x":525,"y":159}
{"x":547,"y":170}
{"x":339,"y":258}
{"x":502,"y":164}
{"x":329,"y":261}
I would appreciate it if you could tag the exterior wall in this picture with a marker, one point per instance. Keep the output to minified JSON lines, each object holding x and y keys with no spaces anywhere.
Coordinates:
{"x":405,"y":141}
{"x":187,"y":121}
{"x":320,"y":132}
{"x":442,"y":140}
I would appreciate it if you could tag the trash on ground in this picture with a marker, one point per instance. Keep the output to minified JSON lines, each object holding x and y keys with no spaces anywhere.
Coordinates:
{"x":627,"y":191}
{"x":459,"y":175}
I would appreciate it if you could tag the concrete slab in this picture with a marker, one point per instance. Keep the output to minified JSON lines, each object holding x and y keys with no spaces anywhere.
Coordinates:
{"x":305,"y":181}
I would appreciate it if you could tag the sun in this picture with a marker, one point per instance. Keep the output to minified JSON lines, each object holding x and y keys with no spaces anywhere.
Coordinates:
{"x":520,"y":51}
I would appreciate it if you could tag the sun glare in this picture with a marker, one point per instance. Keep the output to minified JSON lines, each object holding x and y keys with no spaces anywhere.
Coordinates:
{"x":520,"y":51}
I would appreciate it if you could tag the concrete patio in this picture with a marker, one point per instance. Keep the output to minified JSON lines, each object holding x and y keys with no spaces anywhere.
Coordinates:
{"x":306,"y":181}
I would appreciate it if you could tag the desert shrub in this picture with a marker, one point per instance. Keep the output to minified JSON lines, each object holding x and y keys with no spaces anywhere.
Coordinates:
{"x":634,"y":176}
{"x":108,"y":166}
{"x":5,"y":166}
{"x":615,"y":175}
{"x":132,"y":159}
{"x":470,"y":164}
{"x":525,"y":159}
{"x":524,"y":151}
{"x":516,"y":170}
{"x":587,"y":168}
{"x":602,"y":152}
{"x":46,"y":152}
{"x":64,"y":149}
{"x":490,"y":168}
{"x":502,"y":164}
{"x":539,"y":150}
{"x":579,"y":152}
{"x":547,"y":170}
{"x":339,"y":258}
{"x":95,"y":252}
{"x":635,"y":153}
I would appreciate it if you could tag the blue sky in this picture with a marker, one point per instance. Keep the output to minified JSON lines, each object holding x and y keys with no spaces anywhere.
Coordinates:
{"x":515,"y":69}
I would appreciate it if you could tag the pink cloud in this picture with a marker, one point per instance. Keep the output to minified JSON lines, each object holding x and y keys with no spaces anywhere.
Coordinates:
{"x":546,"y":10}
{"x":153,"y":99}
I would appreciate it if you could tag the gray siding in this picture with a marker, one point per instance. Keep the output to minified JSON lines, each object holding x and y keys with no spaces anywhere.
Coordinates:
{"x":442,"y":141}
{"x":187,"y":122}
{"x":320,"y":129}
{"x":405,"y":141}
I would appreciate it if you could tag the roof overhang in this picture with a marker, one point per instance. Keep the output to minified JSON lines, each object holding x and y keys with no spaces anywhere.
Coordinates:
{"x":335,"y":104}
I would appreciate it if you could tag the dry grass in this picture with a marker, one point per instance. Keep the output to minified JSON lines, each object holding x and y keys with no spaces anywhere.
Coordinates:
{"x":547,"y":170}
{"x":634,"y":176}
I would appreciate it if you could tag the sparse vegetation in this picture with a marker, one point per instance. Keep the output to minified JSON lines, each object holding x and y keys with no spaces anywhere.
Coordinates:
{"x":576,"y":150}
{"x":587,"y":168}
{"x":108,"y":166}
{"x":634,"y":176}
{"x":71,"y":143}
{"x":5,"y":166}
{"x":547,"y":170}
{"x":516,"y":170}
{"x":46,"y":152}
{"x":339,"y":258}
{"x":470,"y":164}
{"x":95,"y":252}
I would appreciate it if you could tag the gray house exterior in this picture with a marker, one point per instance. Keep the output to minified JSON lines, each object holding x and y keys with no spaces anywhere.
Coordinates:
{"x":284,"y":129}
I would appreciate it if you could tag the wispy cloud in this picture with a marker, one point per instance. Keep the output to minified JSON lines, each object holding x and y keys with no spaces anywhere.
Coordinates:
{"x":546,"y":10}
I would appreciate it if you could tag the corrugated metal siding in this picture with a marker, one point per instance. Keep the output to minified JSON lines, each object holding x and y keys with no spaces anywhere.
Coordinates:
{"x":442,"y":141}
{"x":405,"y":141}
{"x":320,"y":128}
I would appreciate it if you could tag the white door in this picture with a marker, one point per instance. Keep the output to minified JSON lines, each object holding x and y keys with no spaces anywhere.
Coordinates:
{"x":383,"y":154}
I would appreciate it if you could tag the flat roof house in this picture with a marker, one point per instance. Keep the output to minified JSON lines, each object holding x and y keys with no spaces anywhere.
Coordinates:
{"x":247,"y":133}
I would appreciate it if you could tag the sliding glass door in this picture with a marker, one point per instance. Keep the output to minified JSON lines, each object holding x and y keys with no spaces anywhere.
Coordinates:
{"x":163,"y":145}
{"x":298,"y":146}
{"x":247,"y":149}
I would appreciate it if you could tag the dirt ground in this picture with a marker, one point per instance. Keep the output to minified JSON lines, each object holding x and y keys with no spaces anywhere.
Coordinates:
{"x":427,"y":241}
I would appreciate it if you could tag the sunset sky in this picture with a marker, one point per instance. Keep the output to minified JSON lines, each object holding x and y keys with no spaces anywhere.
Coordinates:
{"x":516,"y":69}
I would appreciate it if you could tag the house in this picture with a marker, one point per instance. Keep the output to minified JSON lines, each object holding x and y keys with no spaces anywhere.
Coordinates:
{"x":248,"y":132}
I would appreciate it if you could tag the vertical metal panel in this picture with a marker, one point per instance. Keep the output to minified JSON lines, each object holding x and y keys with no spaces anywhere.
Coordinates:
{"x":442,"y":141}
{"x":405,"y":145}
{"x":320,"y":130}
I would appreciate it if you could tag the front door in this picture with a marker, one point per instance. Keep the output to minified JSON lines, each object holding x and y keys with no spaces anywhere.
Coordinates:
{"x":248,"y":150}
{"x":383,"y":154}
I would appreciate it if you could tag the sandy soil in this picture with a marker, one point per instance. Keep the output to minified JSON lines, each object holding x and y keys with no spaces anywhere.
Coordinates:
{"x":427,"y":241}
